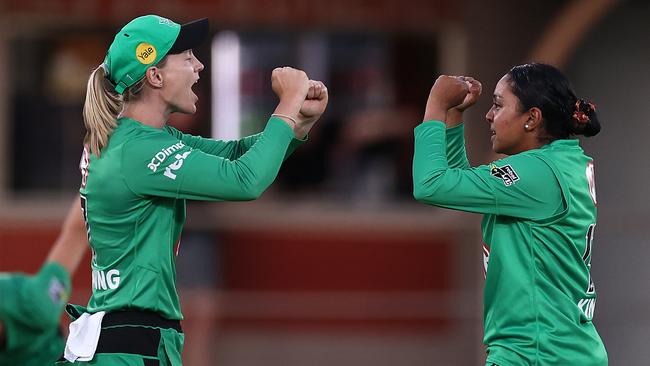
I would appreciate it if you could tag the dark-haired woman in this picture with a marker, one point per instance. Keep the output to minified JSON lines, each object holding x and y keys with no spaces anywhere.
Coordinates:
{"x":539,"y":206}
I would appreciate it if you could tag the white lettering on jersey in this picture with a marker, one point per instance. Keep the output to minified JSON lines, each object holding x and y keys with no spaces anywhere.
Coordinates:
{"x":163,"y":154}
{"x":591,"y":180}
{"x":176,"y":165}
{"x":486,"y":259}
{"x":587,"y":306}
{"x":106,"y":280}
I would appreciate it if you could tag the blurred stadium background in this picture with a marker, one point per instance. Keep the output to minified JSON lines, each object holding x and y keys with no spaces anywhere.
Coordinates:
{"x":336,"y":265}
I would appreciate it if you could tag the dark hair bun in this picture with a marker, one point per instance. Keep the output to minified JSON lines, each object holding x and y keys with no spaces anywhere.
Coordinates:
{"x":585,"y":121}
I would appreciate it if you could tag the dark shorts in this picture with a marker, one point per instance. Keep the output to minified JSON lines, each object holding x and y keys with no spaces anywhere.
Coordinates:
{"x":137,"y":338}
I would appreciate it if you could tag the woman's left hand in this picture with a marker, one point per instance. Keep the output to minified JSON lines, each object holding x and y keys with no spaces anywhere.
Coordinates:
{"x":455,"y":114}
{"x":474,"y":87}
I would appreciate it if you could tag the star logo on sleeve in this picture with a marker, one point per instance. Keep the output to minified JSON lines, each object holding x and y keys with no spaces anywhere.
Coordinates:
{"x":57,"y":291}
{"x":506,"y":173}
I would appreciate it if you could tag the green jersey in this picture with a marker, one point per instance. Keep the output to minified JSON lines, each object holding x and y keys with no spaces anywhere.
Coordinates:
{"x":539,"y":211}
{"x":30,"y":310}
{"x":133,"y":197}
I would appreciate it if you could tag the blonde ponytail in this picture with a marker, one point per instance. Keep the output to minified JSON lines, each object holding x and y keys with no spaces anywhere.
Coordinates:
{"x":101,"y":108}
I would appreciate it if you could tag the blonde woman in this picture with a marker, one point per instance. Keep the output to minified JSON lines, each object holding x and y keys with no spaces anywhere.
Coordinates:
{"x":137,"y":174}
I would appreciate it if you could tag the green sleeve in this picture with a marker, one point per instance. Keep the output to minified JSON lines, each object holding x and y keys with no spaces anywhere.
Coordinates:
{"x":47,"y":292}
{"x":231,"y":150}
{"x":521,"y":185}
{"x":161,"y":165}
{"x":456,"y":154}
{"x":34,"y":301}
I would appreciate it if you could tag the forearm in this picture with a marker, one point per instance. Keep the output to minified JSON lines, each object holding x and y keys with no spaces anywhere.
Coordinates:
{"x":211,"y":178}
{"x":429,"y":158}
{"x":225,"y":149}
{"x":435,"y":113}
{"x":72,"y":243}
{"x":302,"y":128}
{"x":453,"y":118}
{"x":292,"y":147}
{"x":288,"y":110}
{"x":456,"y":154}
{"x":436,"y":183}
{"x":522,"y":185}
{"x":228,"y":149}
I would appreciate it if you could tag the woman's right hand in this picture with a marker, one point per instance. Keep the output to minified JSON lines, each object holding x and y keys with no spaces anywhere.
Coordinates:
{"x":291,"y":86}
{"x":312,"y":108}
{"x":447,"y":92}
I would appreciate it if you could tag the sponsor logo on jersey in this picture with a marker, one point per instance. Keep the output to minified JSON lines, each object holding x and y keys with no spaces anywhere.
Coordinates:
{"x":180,"y":158}
{"x":106,"y":280}
{"x":57,"y":291}
{"x":163,"y":154}
{"x":506,"y":173}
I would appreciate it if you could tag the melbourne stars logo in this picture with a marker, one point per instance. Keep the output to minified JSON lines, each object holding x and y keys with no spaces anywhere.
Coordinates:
{"x":506,"y":173}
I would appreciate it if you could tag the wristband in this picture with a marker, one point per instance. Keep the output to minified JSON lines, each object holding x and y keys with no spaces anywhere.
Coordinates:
{"x":295,"y":123}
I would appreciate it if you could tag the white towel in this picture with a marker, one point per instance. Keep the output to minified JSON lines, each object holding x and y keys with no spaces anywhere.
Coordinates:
{"x":83,"y":337}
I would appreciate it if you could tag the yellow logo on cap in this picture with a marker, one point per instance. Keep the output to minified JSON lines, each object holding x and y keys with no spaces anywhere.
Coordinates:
{"x":145,"y":53}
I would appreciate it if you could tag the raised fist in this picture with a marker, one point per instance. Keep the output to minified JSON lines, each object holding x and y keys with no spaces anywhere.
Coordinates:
{"x":316,"y":100}
{"x":475,"y":89}
{"x":447,"y":92}
{"x":289,"y":83}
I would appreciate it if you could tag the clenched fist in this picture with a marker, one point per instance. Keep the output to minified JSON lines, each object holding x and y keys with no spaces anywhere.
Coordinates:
{"x":475,"y":88}
{"x":312,"y":108}
{"x":316,"y":100}
{"x":447,"y":92}
{"x":289,"y":83}
{"x":455,"y":114}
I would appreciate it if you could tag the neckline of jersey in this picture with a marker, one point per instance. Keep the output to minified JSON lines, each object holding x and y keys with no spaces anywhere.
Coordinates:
{"x":562,"y":142}
{"x":138,"y":123}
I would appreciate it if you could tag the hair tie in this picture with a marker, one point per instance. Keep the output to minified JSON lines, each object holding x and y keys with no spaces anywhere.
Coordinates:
{"x":287,"y":118}
{"x":579,"y":114}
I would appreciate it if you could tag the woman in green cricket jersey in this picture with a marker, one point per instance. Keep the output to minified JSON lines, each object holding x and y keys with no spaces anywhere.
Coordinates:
{"x":137,"y":173}
{"x":31,"y":305}
{"x":539,"y":206}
